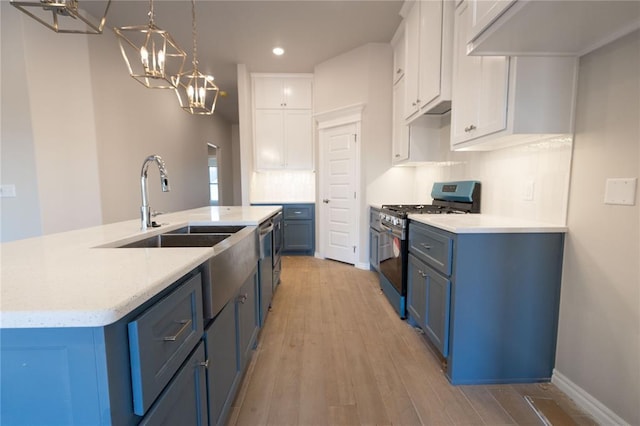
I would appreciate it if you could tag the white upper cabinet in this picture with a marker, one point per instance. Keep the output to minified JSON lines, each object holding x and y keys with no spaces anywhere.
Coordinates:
{"x":500,"y":101}
{"x":429,"y":40}
{"x":282,"y":124}
{"x":289,"y":91}
{"x":549,"y":28}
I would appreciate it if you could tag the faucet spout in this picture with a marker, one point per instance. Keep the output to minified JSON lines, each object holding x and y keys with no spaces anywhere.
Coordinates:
{"x":145,"y":210}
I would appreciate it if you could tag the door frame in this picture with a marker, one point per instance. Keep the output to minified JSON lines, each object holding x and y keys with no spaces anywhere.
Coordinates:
{"x":351,"y":114}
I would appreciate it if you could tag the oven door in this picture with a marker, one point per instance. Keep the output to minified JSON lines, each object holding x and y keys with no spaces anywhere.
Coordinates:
{"x":393,"y":261}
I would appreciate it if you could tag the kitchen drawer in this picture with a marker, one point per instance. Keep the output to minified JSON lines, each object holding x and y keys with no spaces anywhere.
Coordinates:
{"x":161,"y":338}
{"x":298,"y":212}
{"x":433,"y":248}
{"x":184,"y":402}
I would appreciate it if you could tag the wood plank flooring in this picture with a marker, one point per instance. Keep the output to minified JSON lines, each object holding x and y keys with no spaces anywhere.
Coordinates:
{"x":333,"y":352}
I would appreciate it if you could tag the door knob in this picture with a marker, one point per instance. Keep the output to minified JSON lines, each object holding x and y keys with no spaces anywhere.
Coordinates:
{"x":326,"y":201}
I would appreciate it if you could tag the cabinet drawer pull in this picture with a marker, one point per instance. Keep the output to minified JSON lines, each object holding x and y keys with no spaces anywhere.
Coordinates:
{"x":185,"y":324}
{"x":243,"y":298}
{"x":469,"y":128}
{"x":297,"y":212}
{"x":425,"y":246}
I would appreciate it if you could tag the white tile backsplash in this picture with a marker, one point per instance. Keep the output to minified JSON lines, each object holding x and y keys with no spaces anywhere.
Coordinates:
{"x":283,"y":187}
{"x":505,"y":174}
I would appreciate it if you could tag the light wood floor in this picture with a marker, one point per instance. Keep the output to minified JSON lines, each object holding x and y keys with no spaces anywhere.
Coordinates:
{"x":333,"y":351}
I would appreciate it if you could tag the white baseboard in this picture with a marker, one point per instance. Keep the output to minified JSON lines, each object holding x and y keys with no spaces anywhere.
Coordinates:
{"x":600,"y":412}
{"x":317,"y":255}
{"x":361,"y":265}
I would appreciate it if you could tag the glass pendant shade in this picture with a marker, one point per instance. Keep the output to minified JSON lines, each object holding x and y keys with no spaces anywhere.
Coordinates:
{"x":197,"y":93}
{"x":63,"y":16}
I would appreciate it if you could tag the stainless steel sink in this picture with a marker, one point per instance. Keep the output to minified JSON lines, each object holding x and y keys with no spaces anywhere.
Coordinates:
{"x":178,"y":240}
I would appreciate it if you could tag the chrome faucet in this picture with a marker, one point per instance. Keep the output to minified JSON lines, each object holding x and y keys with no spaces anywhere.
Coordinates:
{"x":145,"y":210}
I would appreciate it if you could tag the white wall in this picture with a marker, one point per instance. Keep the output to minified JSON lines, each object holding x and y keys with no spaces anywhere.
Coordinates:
{"x":76,"y":129}
{"x":362,"y":76}
{"x":19,"y":216}
{"x":599,"y":336}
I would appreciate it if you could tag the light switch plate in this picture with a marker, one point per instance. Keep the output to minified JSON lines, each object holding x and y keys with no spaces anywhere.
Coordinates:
{"x":621,"y":191}
{"x":7,"y":191}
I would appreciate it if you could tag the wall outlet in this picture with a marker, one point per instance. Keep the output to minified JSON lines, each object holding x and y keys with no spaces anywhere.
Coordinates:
{"x":528,"y":189}
{"x":7,"y":191}
{"x":620,"y":191}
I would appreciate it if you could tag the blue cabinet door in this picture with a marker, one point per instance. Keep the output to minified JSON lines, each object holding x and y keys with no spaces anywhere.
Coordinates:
{"x":374,"y":241}
{"x":223,"y":374}
{"x":298,"y":235}
{"x":184,"y":401}
{"x":436,"y":319}
{"x":247,"y":314}
{"x":416,"y":291}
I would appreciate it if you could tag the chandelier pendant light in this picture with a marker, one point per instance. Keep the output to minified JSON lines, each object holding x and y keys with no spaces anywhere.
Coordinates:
{"x":197,"y":93}
{"x":63,"y":16}
{"x":151,"y":54}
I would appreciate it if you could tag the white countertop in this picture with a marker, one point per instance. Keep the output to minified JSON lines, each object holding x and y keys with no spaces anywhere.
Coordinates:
{"x":482,"y":223}
{"x":68,"y":280}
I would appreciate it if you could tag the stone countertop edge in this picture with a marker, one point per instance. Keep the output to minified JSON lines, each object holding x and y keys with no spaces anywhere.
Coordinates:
{"x":485,"y":224}
{"x":73,"y":279}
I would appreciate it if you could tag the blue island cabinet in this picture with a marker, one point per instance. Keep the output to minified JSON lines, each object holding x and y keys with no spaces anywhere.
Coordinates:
{"x":488,"y":302}
{"x":105,"y":375}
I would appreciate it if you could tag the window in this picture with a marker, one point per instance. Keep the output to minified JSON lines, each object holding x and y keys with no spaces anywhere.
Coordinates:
{"x":213,"y":181}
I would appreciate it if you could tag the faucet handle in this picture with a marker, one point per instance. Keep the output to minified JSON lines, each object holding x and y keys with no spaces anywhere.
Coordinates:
{"x":156,"y":213}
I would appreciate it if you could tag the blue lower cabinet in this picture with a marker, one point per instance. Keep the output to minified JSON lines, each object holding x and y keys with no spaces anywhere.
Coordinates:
{"x":223,"y":374}
{"x":488,"y":302}
{"x":248,"y":319}
{"x":184,"y":401}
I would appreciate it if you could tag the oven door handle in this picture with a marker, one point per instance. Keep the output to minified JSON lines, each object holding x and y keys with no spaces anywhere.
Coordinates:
{"x":390,"y":230}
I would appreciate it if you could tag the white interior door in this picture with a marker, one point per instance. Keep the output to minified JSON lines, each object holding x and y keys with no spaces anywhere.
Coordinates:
{"x":338,"y":196}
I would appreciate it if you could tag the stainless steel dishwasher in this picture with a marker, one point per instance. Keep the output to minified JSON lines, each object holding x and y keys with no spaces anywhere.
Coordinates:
{"x":265,"y":267}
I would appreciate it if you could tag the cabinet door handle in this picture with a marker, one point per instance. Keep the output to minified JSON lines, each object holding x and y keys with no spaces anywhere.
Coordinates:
{"x":185,"y":324}
{"x":243,"y":298}
{"x":204,"y":364}
{"x":326,"y":201}
{"x":399,"y":70}
{"x":413,"y":104}
{"x":425,"y":246}
{"x":418,"y":101}
{"x":469,"y":128}
{"x":422,"y":274}
{"x":397,"y":155}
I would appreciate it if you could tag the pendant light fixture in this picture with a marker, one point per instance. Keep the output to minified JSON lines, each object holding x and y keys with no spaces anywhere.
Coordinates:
{"x":151,"y":54}
{"x":63,"y":16}
{"x":197,"y":93}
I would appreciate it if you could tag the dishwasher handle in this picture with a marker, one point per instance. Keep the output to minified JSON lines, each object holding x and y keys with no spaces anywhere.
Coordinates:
{"x":265,"y":228}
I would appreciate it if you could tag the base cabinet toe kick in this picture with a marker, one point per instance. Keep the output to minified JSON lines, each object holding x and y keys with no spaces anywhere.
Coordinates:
{"x":487,"y":302}
{"x":164,"y":363}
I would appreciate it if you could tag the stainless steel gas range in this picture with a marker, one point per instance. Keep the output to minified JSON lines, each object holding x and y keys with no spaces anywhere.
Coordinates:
{"x":460,"y":197}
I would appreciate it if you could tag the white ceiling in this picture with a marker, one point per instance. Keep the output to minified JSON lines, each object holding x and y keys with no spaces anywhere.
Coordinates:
{"x":238,"y":31}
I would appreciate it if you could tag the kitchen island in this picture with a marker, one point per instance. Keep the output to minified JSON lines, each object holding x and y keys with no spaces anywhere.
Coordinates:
{"x":78,"y":316}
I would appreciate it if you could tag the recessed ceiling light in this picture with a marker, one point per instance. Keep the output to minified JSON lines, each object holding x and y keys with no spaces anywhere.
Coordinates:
{"x":278,"y":51}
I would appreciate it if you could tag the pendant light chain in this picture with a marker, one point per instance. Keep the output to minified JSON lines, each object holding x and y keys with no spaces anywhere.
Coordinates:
{"x":195,"y":35}
{"x":151,"y":14}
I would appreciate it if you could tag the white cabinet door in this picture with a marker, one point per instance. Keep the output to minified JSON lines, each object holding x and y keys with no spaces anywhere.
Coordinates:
{"x":479,"y":88}
{"x":400,"y":137}
{"x":412,"y":72}
{"x":273,"y":92}
{"x":297,"y":93}
{"x":269,"y":139}
{"x":430,"y":58}
{"x":399,"y":54}
{"x":483,"y":13}
{"x":298,"y":146}
{"x":268,"y":92}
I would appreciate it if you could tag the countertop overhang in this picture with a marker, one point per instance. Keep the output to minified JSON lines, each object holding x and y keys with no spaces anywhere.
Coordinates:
{"x":69,"y":280}
{"x":484,"y":224}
